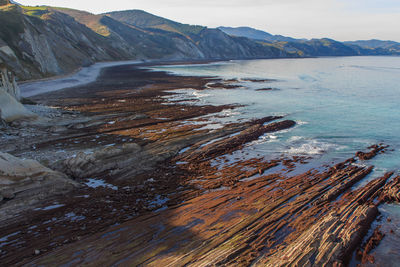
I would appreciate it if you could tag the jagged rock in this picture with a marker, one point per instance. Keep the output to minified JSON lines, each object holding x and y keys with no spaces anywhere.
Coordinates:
{"x":391,"y":191}
{"x":375,"y":149}
{"x":10,"y":109}
{"x":25,"y":182}
{"x":110,"y":158}
{"x":8,"y":83}
{"x":371,"y":243}
{"x":233,"y":143}
{"x":3,"y":124}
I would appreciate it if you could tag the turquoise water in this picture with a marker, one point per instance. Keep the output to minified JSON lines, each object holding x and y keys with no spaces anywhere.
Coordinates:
{"x":341,"y":104}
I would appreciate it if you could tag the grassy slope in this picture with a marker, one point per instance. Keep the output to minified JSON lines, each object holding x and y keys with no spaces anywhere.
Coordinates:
{"x":90,"y":20}
{"x":143,"y":19}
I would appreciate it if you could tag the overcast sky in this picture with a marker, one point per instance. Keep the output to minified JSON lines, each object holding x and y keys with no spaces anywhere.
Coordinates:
{"x":342,"y":20}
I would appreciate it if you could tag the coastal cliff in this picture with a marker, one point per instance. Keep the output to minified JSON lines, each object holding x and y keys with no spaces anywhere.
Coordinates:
{"x":37,"y":42}
{"x":42,"y":41}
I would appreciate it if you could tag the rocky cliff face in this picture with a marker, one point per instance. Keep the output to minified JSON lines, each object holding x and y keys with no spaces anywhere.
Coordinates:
{"x":197,"y":42}
{"x":37,"y":42}
{"x":8,"y":83}
{"x":10,"y":108}
{"x":51,"y":43}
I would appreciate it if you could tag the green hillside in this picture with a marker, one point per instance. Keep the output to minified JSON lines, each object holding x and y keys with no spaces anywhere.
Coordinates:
{"x":142,"y":19}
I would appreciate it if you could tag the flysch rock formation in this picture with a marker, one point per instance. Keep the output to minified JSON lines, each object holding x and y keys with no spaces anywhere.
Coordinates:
{"x":25,"y":182}
{"x":10,"y":107}
{"x":160,"y":187}
{"x":9,"y":84}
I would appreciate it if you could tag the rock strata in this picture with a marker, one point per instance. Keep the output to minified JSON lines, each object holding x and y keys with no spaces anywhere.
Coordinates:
{"x":24,"y":182}
{"x":391,"y":192}
{"x":10,"y":107}
{"x":164,"y":185}
{"x":371,"y":243}
{"x":8,"y":83}
{"x":272,"y":220}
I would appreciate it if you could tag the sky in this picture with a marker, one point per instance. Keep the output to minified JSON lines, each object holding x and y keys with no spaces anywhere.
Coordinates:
{"x":342,"y":20}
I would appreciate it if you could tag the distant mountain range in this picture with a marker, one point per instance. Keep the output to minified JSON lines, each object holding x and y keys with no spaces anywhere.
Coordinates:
{"x":390,"y":46}
{"x":317,"y":47}
{"x":43,"y":41}
{"x":256,"y":34}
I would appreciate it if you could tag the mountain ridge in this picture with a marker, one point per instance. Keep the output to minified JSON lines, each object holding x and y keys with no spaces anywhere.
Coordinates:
{"x":44,"y":41}
{"x":317,"y":47}
{"x":256,"y":34}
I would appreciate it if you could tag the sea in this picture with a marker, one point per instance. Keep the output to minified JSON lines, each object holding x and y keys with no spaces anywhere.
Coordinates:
{"x":341,"y":105}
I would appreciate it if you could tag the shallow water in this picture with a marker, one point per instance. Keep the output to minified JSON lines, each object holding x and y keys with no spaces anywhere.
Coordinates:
{"x":341,"y":104}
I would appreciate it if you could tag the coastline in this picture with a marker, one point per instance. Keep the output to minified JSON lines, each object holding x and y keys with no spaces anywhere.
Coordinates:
{"x":136,"y":126}
{"x":55,"y":83}
{"x":98,"y":66}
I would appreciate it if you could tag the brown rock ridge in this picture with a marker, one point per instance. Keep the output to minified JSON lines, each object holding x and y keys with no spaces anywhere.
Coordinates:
{"x":230,"y":144}
{"x":375,"y":149}
{"x":272,"y":220}
{"x":391,"y":191}
{"x":330,"y":241}
{"x":195,"y":208}
{"x":371,"y":243}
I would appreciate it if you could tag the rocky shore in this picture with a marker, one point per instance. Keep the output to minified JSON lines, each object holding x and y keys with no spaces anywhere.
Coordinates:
{"x":115,"y":173}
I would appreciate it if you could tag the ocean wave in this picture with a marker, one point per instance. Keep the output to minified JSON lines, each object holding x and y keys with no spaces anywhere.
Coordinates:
{"x":295,"y":139}
{"x":311,"y":147}
{"x":200,"y":95}
{"x":301,"y":122}
{"x":229,"y":113}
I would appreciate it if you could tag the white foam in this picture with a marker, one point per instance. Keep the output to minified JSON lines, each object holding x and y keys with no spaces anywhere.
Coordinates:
{"x":311,"y":147}
{"x":229,"y":112}
{"x":301,"y":122}
{"x":199,"y":94}
{"x":295,"y":138}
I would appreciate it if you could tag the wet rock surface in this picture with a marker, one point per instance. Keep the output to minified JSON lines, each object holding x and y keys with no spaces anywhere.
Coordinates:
{"x":149,"y":184}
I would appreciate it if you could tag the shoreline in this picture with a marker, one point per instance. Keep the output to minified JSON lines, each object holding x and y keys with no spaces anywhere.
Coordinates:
{"x":145,"y":63}
{"x":93,"y":71}
{"x":153,"y":162}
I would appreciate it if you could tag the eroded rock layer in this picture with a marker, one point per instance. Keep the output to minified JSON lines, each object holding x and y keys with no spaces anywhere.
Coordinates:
{"x":159,"y":187}
{"x":272,"y":220}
